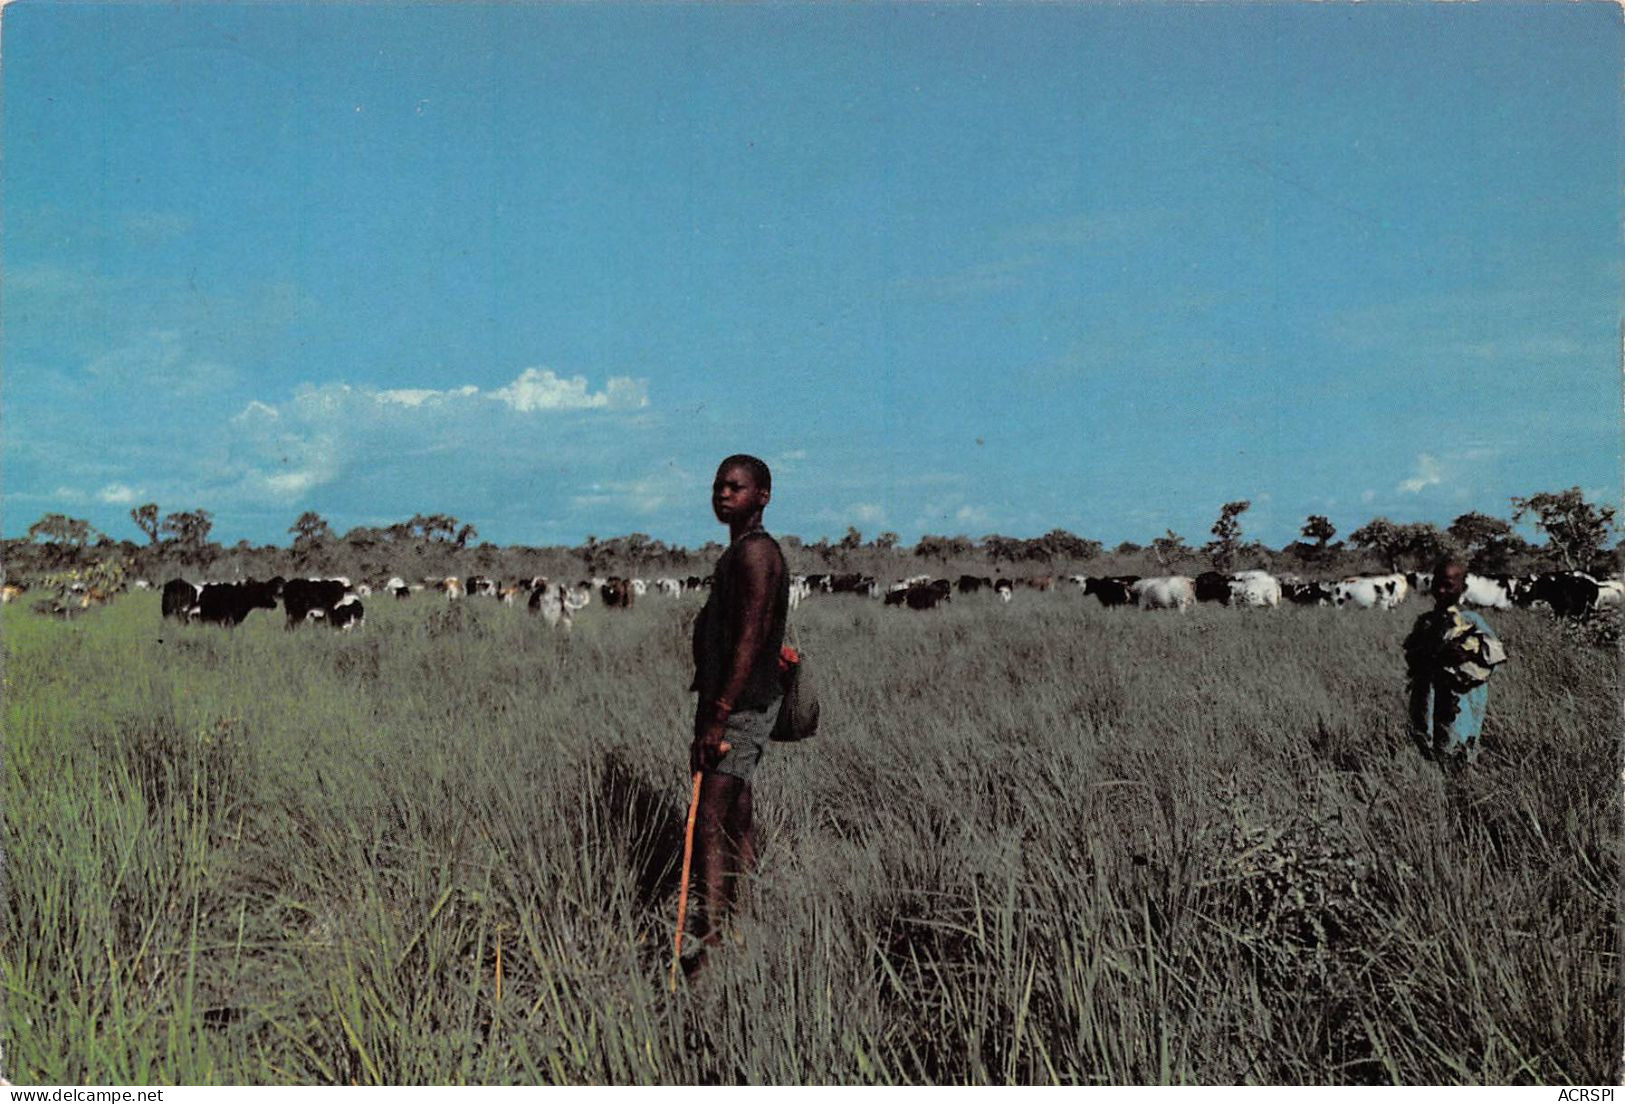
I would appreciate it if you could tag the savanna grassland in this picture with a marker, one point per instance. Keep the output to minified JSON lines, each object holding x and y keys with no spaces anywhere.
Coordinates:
{"x":1043,"y":842}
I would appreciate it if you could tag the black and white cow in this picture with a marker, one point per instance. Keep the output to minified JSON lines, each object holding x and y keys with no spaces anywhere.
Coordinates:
{"x":311,"y":599}
{"x":1568,"y":593}
{"x":1112,"y":590}
{"x":179,"y":600}
{"x":1307,"y":594}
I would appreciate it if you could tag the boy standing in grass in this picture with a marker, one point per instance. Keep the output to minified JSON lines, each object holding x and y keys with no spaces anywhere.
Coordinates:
{"x":1449,"y":657}
{"x":736,"y":671}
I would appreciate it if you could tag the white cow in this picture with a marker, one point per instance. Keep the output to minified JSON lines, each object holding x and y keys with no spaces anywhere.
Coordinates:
{"x":558,"y":603}
{"x":799,"y":589}
{"x":1610,"y":594}
{"x":1255,"y":588}
{"x":1491,"y":593}
{"x":1370,"y":592}
{"x":671,"y":588}
{"x":1165,"y":592}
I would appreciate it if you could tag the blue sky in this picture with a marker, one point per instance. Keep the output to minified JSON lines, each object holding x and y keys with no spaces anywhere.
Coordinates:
{"x":949,"y":269}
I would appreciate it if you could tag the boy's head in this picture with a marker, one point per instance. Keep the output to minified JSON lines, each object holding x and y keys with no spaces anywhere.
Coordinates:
{"x":743,"y":486}
{"x":1449,"y":582}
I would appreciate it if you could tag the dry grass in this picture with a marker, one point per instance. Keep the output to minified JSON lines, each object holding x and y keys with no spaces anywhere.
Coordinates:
{"x":1036,"y":843}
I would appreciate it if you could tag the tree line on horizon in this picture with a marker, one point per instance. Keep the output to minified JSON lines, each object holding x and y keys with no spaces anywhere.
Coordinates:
{"x":1577,"y":535}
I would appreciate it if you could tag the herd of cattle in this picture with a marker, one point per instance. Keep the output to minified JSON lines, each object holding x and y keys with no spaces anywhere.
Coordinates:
{"x":1567,"y":593}
{"x":338,"y":603}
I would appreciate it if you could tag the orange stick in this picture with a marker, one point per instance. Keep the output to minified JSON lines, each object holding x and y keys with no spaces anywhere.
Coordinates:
{"x":682,"y":892}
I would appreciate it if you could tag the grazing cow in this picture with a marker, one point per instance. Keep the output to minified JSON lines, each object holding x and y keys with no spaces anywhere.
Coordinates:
{"x":451,"y":586}
{"x":1370,"y":592}
{"x":927,"y":595}
{"x":1492,"y":591}
{"x":1111,"y":590}
{"x":397,"y":586}
{"x":1307,"y":594}
{"x":1165,"y":592}
{"x":230,"y":603}
{"x":558,"y":603}
{"x":617,"y":592}
{"x":798,"y":590}
{"x":1610,"y":594}
{"x":1004,"y":589}
{"x":1039,"y":582}
{"x":671,"y":588}
{"x":12,"y":591}
{"x":1255,"y":588}
{"x":970,"y":584}
{"x":639,"y":587}
{"x":310,"y":598}
{"x":1213,"y":586}
{"x":850,"y":583}
{"x":141,"y":584}
{"x":179,"y":600}
{"x":348,"y":614}
{"x":1568,"y":593}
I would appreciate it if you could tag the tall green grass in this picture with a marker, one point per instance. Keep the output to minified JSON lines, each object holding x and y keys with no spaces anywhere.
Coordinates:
{"x":1035,"y":843}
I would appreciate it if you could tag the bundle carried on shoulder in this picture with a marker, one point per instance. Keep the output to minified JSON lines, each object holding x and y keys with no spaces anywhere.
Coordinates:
{"x":1451,"y":648}
{"x":798,"y":712}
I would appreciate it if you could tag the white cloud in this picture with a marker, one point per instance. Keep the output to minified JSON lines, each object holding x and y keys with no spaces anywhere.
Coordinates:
{"x":255,"y":411}
{"x":1428,"y":474}
{"x":534,"y":389}
{"x":541,"y":389}
{"x":869,"y":512}
{"x":118,"y":494}
{"x":417,"y":396}
{"x":971,"y":515}
{"x":1368,"y":497}
{"x":287,"y":485}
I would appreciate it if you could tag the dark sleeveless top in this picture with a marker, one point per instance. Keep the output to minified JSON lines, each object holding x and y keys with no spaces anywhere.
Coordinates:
{"x":714,"y":638}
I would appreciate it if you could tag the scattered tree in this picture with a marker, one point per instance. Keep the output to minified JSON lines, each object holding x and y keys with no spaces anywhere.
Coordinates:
{"x":1489,"y":543}
{"x":61,"y":529}
{"x":886,"y":541}
{"x":1319,"y":528}
{"x":310,"y":533}
{"x":1391,"y":543}
{"x":1575,"y":529}
{"x":145,"y":517}
{"x":1382,"y":538}
{"x":187,"y":528}
{"x":1227,"y":534}
{"x":1061,"y":544}
{"x":1169,"y":547}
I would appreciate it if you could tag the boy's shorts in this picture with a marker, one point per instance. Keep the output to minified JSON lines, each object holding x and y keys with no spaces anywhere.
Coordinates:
{"x":748,"y":734}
